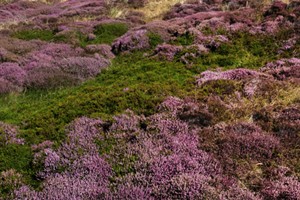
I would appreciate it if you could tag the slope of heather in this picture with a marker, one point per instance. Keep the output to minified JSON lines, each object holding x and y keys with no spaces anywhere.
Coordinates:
{"x":149,"y":100}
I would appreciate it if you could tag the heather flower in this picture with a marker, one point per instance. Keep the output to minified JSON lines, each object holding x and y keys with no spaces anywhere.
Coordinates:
{"x":132,"y":40}
{"x":10,"y":134}
{"x":49,"y":77}
{"x":182,"y":10}
{"x":12,"y":73}
{"x":129,"y":191}
{"x":7,"y":87}
{"x":251,"y":87}
{"x":50,"y":53}
{"x":83,"y":67}
{"x":245,"y":139}
{"x":10,"y":179}
{"x":42,"y":146}
{"x":3,"y":54}
{"x":284,"y":188}
{"x":235,"y":74}
{"x":168,"y":152}
{"x":85,"y":174}
{"x":236,"y":192}
{"x":171,"y":104}
{"x":287,"y":122}
{"x":102,"y":49}
{"x":126,"y":122}
{"x":167,"y":51}
{"x":283,"y":69}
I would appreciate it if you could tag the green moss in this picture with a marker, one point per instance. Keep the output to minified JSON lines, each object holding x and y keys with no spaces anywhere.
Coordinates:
{"x":105,"y":33}
{"x":154,"y":39}
{"x":184,"y":40}
{"x":46,"y":35}
{"x":15,"y":156}
{"x":34,"y":34}
{"x":221,"y":87}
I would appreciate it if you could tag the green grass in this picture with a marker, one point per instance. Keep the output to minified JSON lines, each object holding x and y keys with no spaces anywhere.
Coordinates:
{"x":46,"y":35}
{"x":105,"y":33}
{"x":244,"y":51}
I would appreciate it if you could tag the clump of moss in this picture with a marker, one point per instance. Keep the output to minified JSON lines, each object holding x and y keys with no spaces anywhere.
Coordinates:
{"x":45,"y":35}
{"x":105,"y":33}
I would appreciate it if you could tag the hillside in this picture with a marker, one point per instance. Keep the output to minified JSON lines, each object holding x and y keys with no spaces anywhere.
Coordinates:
{"x":157,"y":99}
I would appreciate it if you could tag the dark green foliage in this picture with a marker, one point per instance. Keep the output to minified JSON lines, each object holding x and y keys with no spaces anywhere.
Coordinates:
{"x":154,"y":39}
{"x":184,"y":40}
{"x":15,"y":156}
{"x":46,"y":35}
{"x":221,"y":87}
{"x":105,"y":33}
{"x":245,"y":50}
{"x":34,"y":34}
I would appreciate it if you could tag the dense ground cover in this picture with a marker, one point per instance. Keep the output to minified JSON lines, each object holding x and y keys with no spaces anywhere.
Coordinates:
{"x":205,"y":106}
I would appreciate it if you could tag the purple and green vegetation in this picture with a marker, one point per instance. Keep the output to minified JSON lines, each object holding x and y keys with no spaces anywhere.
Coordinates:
{"x":97,"y":102}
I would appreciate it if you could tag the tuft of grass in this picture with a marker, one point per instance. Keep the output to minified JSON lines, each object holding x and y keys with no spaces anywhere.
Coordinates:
{"x":154,"y":39}
{"x":45,"y":35}
{"x":105,"y":33}
{"x":184,"y":40}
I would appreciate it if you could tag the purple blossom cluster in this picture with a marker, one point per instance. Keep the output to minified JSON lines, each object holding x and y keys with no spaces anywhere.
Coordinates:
{"x":85,"y":174}
{"x":132,"y":40}
{"x":287,"y":122}
{"x":283,"y":69}
{"x":167,"y":51}
{"x":246,"y":139}
{"x":10,"y":134}
{"x":235,"y":74}
{"x":53,"y":65}
{"x":285,"y":187}
{"x":102,"y":49}
{"x":183,"y":10}
{"x":170,"y":161}
{"x":20,"y":11}
{"x":12,"y":76}
{"x":170,"y":164}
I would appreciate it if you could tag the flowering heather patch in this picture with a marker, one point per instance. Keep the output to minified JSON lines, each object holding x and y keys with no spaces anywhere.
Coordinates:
{"x":283,"y":188}
{"x":3,"y":54}
{"x":167,"y":51}
{"x":85,"y":174}
{"x":13,"y":73}
{"x":126,"y":122}
{"x":236,"y":192}
{"x":287,"y":122}
{"x":56,"y":65}
{"x":102,"y":49}
{"x":7,"y":87}
{"x":132,"y":40}
{"x":83,"y":67}
{"x":283,"y":69}
{"x":182,"y":10}
{"x":9,"y":134}
{"x":210,"y":42}
{"x":249,"y":140}
{"x":235,"y":74}
{"x":170,"y":165}
{"x":50,"y":53}
{"x":48,"y":78}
